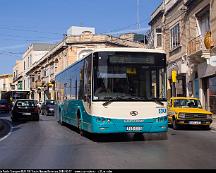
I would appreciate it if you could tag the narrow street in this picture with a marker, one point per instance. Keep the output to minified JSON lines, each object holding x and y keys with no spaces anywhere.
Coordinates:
{"x":48,"y":145}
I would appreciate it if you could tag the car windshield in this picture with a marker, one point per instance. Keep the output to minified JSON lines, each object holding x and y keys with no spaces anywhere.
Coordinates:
{"x":50,"y":102}
{"x":26,"y":103}
{"x":187,"y":103}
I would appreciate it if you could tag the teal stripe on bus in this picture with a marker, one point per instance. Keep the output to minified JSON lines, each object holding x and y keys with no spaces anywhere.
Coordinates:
{"x":97,"y":124}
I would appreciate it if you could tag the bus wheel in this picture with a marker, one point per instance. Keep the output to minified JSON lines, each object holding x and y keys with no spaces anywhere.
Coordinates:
{"x":79,"y":124}
{"x":60,"y":118}
{"x":175,"y":125}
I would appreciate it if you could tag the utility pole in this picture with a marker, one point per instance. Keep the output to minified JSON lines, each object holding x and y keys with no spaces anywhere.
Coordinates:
{"x":138,"y":15}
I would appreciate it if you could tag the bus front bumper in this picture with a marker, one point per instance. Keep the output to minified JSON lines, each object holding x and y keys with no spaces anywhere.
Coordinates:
{"x":106,"y":125}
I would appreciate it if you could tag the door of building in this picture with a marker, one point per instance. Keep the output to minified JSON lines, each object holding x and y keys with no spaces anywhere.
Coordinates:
{"x":196,"y":88}
{"x":212,"y":94}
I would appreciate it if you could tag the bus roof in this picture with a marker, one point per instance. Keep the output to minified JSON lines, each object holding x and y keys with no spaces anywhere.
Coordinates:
{"x":116,"y":49}
{"x":128,"y":49}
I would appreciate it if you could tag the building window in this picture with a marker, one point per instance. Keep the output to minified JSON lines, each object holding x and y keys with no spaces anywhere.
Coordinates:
{"x":24,"y":65}
{"x":159,"y":37}
{"x":32,"y":79}
{"x":28,"y":62}
{"x":203,"y":18}
{"x":44,"y":73}
{"x":4,"y":86}
{"x":51,"y":69}
{"x":175,"y":37}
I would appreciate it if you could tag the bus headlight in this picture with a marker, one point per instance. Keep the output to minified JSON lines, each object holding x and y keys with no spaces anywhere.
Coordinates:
{"x":103,"y":120}
{"x":181,"y":115}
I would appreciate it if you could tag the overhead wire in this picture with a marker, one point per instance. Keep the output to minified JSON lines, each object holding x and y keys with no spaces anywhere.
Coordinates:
{"x":27,"y":30}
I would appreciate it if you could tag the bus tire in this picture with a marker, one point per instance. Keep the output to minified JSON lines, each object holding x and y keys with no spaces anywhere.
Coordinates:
{"x":174,"y":124}
{"x":79,"y":121}
{"x":60,"y":118}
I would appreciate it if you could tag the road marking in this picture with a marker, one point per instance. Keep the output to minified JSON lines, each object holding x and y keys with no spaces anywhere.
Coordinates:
{"x":11,"y":129}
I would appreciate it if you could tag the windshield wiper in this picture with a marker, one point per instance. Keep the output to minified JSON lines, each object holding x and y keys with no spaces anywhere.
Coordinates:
{"x":113,"y":99}
{"x":138,"y":98}
{"x":158,"y":102}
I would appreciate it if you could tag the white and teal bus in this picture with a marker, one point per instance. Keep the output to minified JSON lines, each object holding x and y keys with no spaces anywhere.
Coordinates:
{"x":114,"y":90}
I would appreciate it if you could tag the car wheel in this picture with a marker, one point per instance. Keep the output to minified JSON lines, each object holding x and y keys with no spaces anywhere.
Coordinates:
{"x":175,"y":125}
{"x":206,"y":127}
{"x":36,"y":118}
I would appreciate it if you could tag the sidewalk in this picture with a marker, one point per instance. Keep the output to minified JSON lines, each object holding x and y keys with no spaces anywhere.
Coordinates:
{"x":213,"y":125}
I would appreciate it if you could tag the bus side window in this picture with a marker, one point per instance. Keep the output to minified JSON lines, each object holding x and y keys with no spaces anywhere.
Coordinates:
{"x":87,"y":79}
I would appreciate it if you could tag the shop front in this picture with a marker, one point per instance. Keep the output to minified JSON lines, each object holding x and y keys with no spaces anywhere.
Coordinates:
{"x":179,"y":85}
{"x":207,"y":73}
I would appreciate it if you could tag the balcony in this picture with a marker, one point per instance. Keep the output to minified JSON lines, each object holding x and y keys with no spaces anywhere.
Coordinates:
{"x":196,"y":50}
{"x":170,"y":4}
{"x":38,"y":83}
{"x":189,"y":3}
{"x":33,"y":85}
{"x":17,"y":77}
{"x":157,"y":12}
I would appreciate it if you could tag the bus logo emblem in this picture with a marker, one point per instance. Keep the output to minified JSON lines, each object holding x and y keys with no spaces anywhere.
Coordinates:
{"x":133,"y":113}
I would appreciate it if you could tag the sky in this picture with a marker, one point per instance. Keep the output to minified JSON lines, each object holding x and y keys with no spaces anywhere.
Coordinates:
{"x":23,"y":22}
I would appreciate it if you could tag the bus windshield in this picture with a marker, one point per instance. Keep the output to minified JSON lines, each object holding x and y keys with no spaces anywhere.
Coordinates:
{"x":126,"y":76}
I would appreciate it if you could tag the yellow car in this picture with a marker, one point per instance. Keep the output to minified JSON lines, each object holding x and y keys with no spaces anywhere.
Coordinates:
{"x":187,"y":111}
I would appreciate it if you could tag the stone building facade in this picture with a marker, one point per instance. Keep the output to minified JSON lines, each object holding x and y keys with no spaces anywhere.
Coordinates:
{"x":5,"y":83}
{"x":65,"y":53}
{"x":188,"y":29}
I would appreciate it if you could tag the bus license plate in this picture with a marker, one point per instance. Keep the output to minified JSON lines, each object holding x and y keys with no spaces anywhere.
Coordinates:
{"x":133,"y":128}
{"x":194,"y":122}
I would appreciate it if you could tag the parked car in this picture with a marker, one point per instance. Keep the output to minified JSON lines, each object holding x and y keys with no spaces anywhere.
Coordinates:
{"x":4,"y":106}
{"x":187,"y":111}
{"x":25,"y":109}
{"x":48,"y":107}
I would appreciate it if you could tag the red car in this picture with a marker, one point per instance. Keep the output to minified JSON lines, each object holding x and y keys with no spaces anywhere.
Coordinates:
{"x":4,"y":106}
